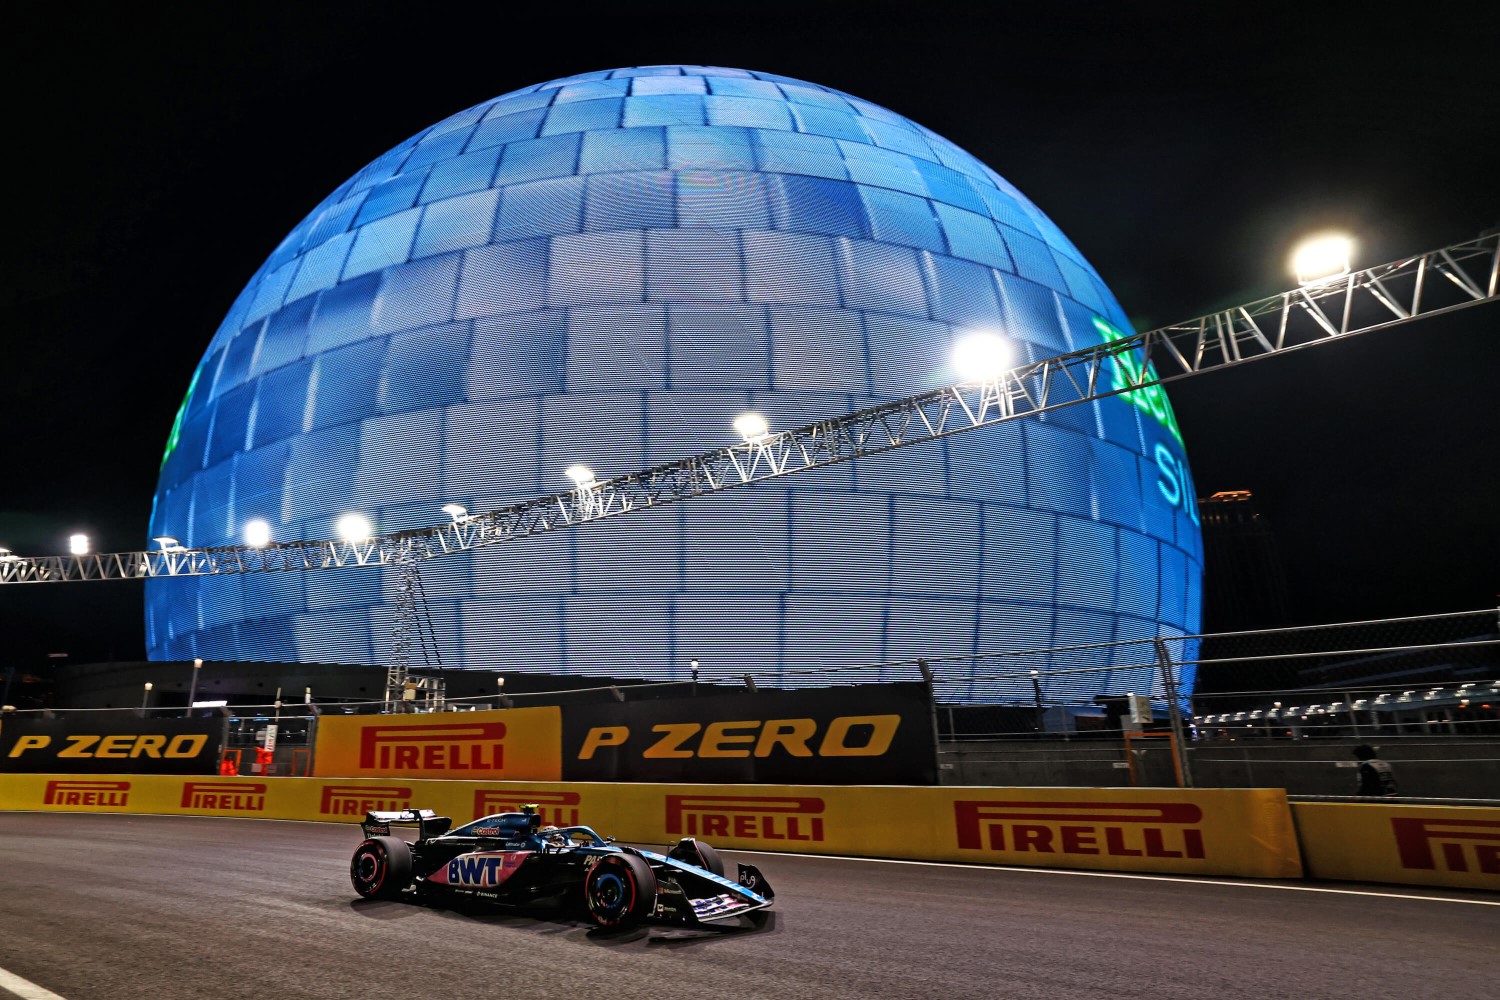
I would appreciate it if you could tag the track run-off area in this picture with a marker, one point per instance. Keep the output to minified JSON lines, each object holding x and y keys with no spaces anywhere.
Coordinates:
{"x":196,"y":907}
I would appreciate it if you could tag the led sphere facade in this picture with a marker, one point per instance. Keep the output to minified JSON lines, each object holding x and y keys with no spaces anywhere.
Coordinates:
{"x":608,"y":269}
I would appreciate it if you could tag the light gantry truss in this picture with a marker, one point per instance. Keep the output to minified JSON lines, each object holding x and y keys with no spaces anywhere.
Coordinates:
{"x":1440,"y":281}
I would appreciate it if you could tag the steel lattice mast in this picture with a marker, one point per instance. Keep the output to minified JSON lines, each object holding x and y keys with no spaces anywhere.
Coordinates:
{"x":1440,"y":281}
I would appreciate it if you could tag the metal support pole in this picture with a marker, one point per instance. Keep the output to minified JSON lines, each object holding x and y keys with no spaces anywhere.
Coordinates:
{"x":1041,"y":713}
{"x":193,"y":687}
{"x":1174,"y":711}
{"x":937,"y":749}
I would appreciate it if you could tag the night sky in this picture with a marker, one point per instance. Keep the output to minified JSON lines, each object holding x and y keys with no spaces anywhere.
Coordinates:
{"x":156,"y":159}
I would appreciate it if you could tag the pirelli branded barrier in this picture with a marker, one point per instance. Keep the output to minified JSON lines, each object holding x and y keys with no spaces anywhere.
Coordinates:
{"x":874,"y":734}
{"x":1216,"y":832}
{"x":521,"y":743}
{"x":879,"y":734}
{"x":110,"y":745}
{"x":1422,"y":845}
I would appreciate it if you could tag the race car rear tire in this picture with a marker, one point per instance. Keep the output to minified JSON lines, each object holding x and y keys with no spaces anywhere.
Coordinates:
{"x":381,"y":867}
{"x":711,"y":860}
{"x":620,"y":890}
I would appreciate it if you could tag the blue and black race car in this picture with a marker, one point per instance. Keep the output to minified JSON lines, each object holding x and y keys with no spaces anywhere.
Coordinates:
{"x":510,"y":860}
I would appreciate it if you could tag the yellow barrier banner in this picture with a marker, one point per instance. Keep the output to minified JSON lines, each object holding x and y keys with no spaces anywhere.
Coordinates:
{"x":519,"y":743}
{"x":1455,"y":846}
{"x":1202,"y":832}
{"x":1245,"y":832}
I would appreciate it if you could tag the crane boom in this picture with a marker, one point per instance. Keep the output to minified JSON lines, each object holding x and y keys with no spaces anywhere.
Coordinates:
{"x":1439,"y":281}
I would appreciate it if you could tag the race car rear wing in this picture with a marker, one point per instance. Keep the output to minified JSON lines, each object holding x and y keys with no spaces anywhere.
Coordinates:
{"x":427,"y":822}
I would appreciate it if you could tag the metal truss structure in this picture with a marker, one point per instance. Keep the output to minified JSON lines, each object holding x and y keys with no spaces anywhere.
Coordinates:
{"x":1440,"y":281}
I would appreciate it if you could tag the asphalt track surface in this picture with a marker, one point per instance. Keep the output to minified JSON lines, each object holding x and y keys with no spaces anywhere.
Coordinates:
{"x":186,"y":907}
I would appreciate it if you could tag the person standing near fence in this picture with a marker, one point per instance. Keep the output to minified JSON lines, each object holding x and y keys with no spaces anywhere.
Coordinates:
{"x":1376,"y":777}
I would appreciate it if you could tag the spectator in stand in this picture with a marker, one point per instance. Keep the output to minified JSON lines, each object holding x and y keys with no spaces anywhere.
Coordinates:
{"x":1375,"y":776}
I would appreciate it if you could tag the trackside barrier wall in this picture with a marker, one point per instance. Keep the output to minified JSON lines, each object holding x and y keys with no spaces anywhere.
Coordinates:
{"x":1455,"y":846}
{"x":1201,"y":832}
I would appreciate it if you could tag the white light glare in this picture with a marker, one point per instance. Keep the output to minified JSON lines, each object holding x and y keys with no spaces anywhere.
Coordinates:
{"x":1322,"y":258}
{"x":354,"y":528}
{"x":981,"y":356}
{"x":78,"y":545}
{"x":581,"y":475}
{"x":751,"y":426}
{"x":167,"y":543}
{"x":457,"y":511}
{"x":257,"y":533}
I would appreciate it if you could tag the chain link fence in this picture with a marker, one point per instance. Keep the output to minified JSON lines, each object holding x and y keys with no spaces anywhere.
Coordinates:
{"x":1271,"y":708}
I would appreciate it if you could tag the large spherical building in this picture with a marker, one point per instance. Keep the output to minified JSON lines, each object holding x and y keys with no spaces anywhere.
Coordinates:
{"x":608,"y":269}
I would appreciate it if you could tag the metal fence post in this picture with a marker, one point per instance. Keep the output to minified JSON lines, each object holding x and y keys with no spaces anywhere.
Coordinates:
{"x":1174,"y":710}
{"x":937,"y":750}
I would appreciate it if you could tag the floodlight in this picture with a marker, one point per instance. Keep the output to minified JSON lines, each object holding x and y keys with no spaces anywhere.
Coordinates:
{"x":457,"y":511}
{"x":78,"y":545}
{"x":167,"y":542}
{"x":751,"y":426}
{"x":582,"y":475}
{"x":1322,"y":258}
{"x":354,"y":528}
{"x":981,"y":355}
{"x":257,"y":533}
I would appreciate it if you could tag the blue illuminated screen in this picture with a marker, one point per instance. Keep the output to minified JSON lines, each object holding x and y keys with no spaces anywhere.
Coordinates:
{"x":608,"y":269}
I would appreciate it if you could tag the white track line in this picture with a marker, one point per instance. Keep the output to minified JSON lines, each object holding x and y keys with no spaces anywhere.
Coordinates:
{"x":1129,"y":875}
{"x":26,"y":990}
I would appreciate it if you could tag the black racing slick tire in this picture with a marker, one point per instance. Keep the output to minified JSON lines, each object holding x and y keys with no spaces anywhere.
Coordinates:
{"x":381,"y":867}
{"x":711,"y":860}
{"x":620,"y":890}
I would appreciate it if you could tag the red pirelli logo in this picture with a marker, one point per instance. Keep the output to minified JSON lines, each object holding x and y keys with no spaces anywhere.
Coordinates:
{"x":1455,"y":840}
{"x":225,"y":795}
{"x":555,"y":808}
{"x":761,"y":817}
{"x":356,"y":800}
{"x":1113,"y":829}
{"x":87,"y":793}
{"x":473,"y":746}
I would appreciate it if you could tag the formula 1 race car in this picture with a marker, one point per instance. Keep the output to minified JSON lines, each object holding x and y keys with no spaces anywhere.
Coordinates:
{"x":509,"y":859}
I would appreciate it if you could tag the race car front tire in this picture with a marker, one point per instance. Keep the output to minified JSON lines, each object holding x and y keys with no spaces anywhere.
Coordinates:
{"x":620,"y":890}
{"x":381,"y":867}
{"x":711,"y":860}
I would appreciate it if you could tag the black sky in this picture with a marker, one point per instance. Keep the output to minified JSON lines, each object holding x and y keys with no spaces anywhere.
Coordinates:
{"x":156,"y":158}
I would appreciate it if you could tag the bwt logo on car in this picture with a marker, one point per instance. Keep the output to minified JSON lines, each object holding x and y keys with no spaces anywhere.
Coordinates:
{"x":474,"y":746}
{"x":481,"y":869}
{"x":765,"y":817}
{"x":87,"y":793}
{"x":555,"y":808}
{"x":235,"y":796}
{"x":1116,"y":829}
{"x":1415,"y":838}
{"x":356,"y":800}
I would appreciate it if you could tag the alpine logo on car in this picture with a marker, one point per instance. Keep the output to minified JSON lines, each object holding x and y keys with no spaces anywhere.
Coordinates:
{"x":224,"y":795}
{"x":756,"y":817}
{"x":87,"y":793}
{"x":1114,"y":829}
{"x":554,"y":808}
{"x":484,"y":870}
{"x":476,"y":746}
{"x":356,"y":800}
{"x":1457,"y":841}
